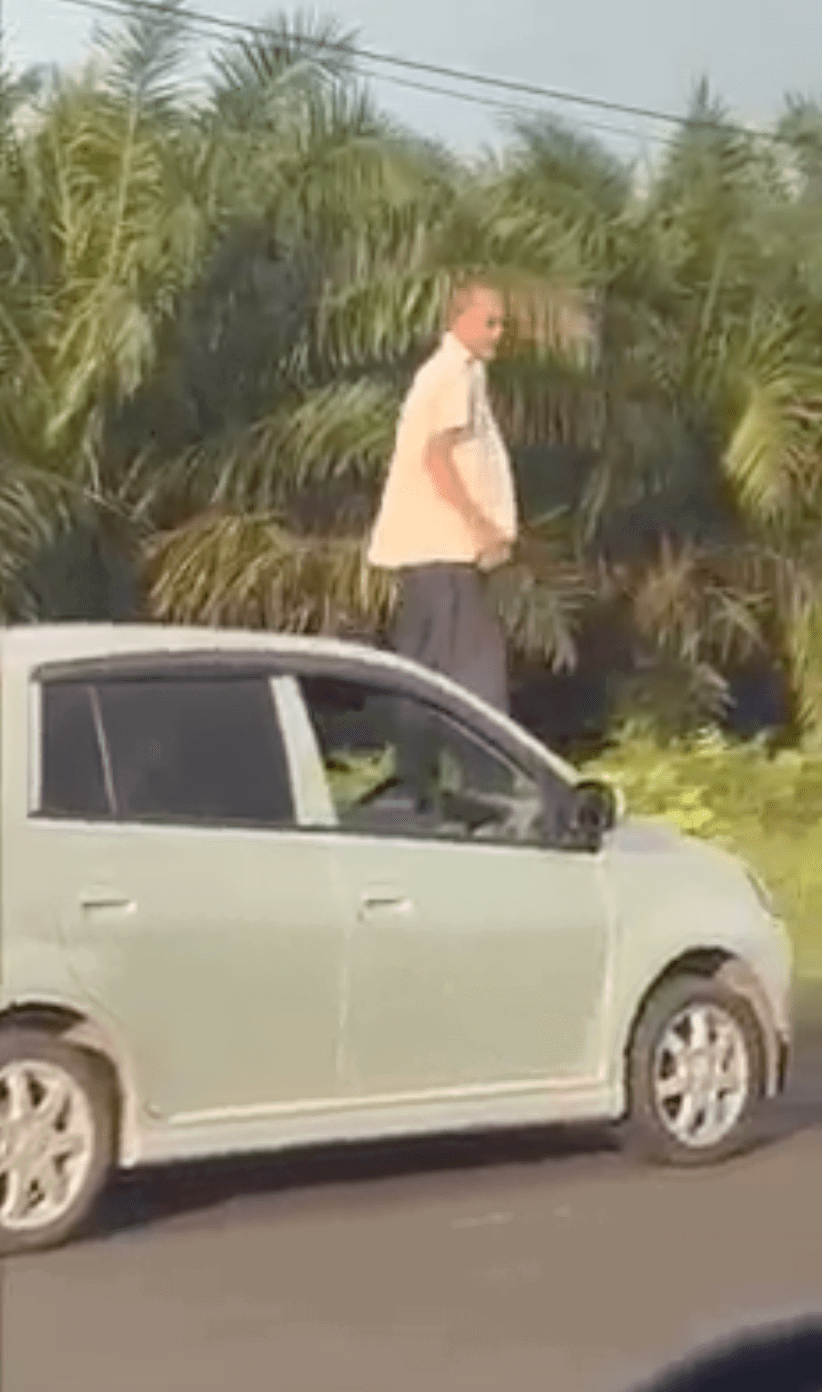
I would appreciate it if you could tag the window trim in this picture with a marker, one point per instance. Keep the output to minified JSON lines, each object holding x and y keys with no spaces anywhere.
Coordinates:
{"x":105,"y":752}
{"x":354,"y":666}
{"x":313,"y":804}
{"x":114,"y":819}
{"x":390,"y":833}
{"x":37,"y":763}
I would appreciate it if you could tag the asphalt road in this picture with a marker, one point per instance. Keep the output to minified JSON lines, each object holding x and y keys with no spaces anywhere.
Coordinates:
{"x":516,"y":1263}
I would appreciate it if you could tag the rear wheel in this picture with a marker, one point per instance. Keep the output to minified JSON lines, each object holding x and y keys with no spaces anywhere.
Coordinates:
{"x":56,"y":1139}
{"x":696,"y":1073}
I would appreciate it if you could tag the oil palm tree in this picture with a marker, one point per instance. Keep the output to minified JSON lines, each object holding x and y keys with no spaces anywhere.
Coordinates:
{"x":267,"y":505}
{"x":209,"y":310}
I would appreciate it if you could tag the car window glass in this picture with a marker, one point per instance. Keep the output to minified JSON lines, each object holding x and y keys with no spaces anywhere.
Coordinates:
{"x":73,"y":781}
{"x":194,"y":750}
{"x":395,"y":763}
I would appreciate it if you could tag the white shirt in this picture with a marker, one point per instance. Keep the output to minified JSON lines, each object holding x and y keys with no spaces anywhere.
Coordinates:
{"x":414,"y":524}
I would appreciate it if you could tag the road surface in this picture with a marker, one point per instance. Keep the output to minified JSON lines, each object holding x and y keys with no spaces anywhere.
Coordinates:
{"x":517,"y":1263}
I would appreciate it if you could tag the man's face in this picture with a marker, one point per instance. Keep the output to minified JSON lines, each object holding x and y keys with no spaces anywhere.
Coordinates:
{"x":481,"y":324}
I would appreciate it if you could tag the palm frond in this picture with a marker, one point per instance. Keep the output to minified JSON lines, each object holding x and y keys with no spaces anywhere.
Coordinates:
{"x":668,"y":699}
{"x":801,"y":126}
{"x":557,"y":165}
{"x":340,"y":162}
{"x":686,"y":605}
{"x":35,"y":505}
{"x":381,"y":319}
{"x":709,"y":160}
{"x":341,"y":431}
{"x":257,"y":78}
{"x":243,"y":569}
{"x":542,"y":605}
{"x":226,"y":568}
{"x":144,"y":53}
{"x":126,"y":238}
{"x":18,"y":91}
{"x":548,"y":398}
{"x":773,"y":455}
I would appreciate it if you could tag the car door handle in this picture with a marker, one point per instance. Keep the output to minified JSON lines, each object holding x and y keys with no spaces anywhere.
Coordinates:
{"x":100,"y":900}
{"x":384,"y":901}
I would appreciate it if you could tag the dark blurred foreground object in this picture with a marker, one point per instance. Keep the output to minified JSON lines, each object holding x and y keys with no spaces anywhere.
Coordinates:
{"x":784,"y":1358}
{"x":87,"y":573}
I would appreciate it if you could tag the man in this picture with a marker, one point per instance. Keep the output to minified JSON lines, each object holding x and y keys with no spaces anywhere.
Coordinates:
{"x":448,"y":514}
{"x":448,"y":517}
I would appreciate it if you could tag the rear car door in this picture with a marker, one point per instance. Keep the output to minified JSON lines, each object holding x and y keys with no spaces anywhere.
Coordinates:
{"x":195,"y":917}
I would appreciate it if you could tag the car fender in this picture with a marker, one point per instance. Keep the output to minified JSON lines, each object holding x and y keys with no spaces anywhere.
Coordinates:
{"x":716,"y":959}
{"x":70,"y":1020}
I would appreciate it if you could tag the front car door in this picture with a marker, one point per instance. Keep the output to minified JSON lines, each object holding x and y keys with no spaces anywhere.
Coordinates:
{"x":197,"y":920}
{"x":479,"y":954}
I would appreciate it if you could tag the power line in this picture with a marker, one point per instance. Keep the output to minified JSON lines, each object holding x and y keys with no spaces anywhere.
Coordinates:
{"x":199,"y":17}
{"x":118,"y":8}
{"x":508,"y":108}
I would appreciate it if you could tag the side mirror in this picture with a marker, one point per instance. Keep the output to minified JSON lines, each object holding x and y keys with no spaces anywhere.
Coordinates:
{"x":596,"y":809}
{"x":620,"y":804}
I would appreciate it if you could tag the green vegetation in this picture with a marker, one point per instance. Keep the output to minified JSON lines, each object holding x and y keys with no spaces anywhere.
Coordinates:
{"x":353,"y":776}
{"x":211,"y":304}
{"x":210,"y":308}
{"x":765,"y":806}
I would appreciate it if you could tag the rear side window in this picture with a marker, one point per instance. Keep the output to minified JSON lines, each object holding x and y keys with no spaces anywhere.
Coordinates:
{"x":196,"y":751}
{"x":73,"y":781}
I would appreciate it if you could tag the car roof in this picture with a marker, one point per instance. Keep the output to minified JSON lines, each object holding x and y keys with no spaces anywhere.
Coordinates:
{"x":46,"y":645}
{"x":35,"y":646}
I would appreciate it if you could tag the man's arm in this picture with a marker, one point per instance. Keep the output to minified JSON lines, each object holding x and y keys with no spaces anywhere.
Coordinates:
{"x":439,"y":461}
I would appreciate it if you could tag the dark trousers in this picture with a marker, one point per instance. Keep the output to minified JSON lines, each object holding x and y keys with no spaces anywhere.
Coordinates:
{"x":446,"y":621}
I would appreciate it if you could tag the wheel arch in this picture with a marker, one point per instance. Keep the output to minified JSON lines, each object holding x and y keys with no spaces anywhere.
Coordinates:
{"x":73,"y":1026}
{"x":720,"y":965}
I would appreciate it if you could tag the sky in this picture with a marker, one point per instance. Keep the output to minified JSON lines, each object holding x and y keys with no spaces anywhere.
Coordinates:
{"x":647,"y":53}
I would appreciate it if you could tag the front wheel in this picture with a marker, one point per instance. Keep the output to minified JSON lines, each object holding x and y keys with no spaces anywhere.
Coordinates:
{"x":696,"y":1073}
{"x":56,"y":1139}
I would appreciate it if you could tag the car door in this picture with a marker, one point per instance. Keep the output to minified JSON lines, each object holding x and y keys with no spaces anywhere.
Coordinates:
{"x":478,"y":955}
{"x":194,"y":914}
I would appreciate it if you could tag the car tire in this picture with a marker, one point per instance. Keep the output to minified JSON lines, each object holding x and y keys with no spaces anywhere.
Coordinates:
{"x":56,"y":1139}
{"x":694,"y":1089}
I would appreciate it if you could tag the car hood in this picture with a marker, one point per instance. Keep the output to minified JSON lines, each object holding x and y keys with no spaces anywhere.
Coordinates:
{"x":644,"y":836}
{"x":660,"y":876}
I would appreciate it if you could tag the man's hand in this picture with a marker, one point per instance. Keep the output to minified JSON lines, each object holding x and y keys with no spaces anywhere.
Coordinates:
{"x":494,"y":546}
{"x":499,"y":556}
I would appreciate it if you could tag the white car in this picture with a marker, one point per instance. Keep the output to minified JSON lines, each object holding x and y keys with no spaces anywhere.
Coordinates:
{"x":259,"y":891}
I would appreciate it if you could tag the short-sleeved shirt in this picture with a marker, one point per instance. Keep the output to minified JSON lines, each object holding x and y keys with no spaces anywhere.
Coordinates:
{"x":415,"y":525}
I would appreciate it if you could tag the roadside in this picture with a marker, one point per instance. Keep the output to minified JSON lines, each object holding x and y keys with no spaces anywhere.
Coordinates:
{"x":807,"y":1004}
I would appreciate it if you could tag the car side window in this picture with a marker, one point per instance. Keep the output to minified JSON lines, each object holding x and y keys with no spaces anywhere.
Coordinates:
{"x":396,"y":764}
{"x":195,"y":751}
{"x":73,"y":783}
